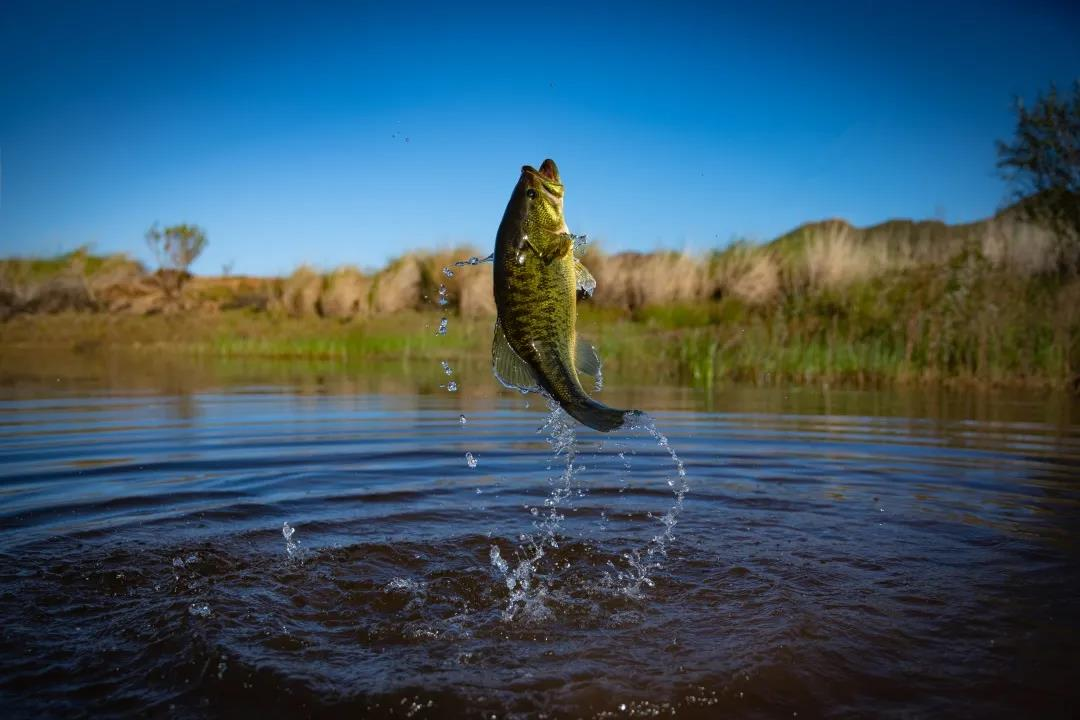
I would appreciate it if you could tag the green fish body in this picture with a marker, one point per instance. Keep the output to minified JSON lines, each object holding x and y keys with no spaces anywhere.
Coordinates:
{"x":537,"y":279}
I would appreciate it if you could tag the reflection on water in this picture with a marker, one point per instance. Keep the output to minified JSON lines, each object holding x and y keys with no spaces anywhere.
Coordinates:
{"x":190,"y":537}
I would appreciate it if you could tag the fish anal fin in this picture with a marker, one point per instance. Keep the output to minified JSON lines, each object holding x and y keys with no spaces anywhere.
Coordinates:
{"x":509,"y":368}
{"x":586,"y":359}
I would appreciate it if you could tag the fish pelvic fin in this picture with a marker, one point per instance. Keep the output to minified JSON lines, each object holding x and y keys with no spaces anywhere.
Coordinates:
{"x":586,"y":359}
{"x":510,"y":370}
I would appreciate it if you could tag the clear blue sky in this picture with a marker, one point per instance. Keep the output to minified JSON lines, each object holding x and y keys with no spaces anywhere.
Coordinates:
{"x":350,"y":134}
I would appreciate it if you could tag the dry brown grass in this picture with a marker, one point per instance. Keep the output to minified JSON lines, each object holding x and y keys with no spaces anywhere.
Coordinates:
{"x":633,"y":280}
{"x":760,"y":283}
{"x":835,"y":258}
{"x":1021,"y":248}
{"x":747,"y":272}
{"x":300,"y":292}
{"x":346,"y":294}
{"x":477,"y":298}
{"x":397,"y":287}
{"x":818,"y":257}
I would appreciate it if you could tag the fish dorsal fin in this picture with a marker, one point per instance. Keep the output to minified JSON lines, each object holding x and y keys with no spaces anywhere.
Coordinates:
{"x":586,"y":283}
{"x":586,"y":359}
{"x":509,"y":368}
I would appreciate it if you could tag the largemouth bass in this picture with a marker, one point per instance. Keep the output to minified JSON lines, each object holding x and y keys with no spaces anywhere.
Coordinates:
{"x":537,"y":279}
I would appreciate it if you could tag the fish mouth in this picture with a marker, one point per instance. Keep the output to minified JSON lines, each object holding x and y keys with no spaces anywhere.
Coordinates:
{"x":546,"y":178}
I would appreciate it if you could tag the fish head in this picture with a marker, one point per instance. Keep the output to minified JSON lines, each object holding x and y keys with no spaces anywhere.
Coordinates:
{"x":541,"y":195}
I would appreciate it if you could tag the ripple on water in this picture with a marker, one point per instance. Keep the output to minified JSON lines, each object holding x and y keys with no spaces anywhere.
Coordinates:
{"x":842,"y":564}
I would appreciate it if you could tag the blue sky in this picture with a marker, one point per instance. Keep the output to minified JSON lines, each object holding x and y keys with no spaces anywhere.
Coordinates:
{"x":352,"y":132}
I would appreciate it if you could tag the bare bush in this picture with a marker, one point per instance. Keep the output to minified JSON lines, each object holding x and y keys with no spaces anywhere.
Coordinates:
{"x":477,"y":291}
{"x":300,"y":292}
{"x":397,"y":287}
{"x":346,"y":294}
{"x":633,"y":280}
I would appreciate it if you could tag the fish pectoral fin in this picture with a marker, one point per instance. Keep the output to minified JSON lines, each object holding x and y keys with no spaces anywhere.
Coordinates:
{"x":526,"y":242}
{"x":563,"y":247}
{"x":509,"y":368}
{"x":586,"y":359}
{"x":586,"y":283}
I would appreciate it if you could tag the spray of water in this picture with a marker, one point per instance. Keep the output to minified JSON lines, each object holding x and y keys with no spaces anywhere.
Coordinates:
{"x":292,"y":547}
{"x":528,"y":588}
{"x":640,"y":563}
{"x":451,"y":384}
{"x":448,"y":271}
{"x":527,"y":585}
{"x":525,"y":578}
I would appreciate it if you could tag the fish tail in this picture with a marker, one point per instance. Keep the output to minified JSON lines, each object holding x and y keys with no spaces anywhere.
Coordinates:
{"x":557,"y":377}
{"x":596,"y":415}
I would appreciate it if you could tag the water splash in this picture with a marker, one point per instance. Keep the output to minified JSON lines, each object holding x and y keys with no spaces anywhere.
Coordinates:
{"x":451,"y":385}
{"x":528,"y":579}
{"x":448,"y":271}
{"x":528,"y":587}
{"x":641,"y":563}
{"x":199,"y":609}
{"x":292,"y":547}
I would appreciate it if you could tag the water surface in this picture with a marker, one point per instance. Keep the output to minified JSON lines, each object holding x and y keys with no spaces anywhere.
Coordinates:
{"x":840,"y":553}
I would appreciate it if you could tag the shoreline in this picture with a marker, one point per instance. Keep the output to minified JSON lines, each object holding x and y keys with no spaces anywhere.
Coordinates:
{"x":702,"y":357}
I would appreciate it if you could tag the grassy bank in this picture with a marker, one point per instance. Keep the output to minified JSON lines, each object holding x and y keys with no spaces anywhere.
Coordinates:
{"x":944,"y":333}
{"x":984,"y":303}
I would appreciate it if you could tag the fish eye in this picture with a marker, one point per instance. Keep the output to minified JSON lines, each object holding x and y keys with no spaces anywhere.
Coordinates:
{"x":531,"y":193}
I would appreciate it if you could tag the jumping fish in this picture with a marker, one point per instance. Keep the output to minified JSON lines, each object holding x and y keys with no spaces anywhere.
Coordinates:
{"x":537,"y":279}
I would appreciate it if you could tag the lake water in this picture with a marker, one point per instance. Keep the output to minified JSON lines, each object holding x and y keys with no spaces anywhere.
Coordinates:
{"x":840,"y":553}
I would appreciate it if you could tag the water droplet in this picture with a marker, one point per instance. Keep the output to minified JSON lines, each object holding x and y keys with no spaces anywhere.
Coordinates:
{"x":442,"y":295}
{"x":451,"y":386}
{"x":470,"y":459}
{"x":442,"y":327}
{"x":446,"y":367}
{"x":292,"y":547}
{"x":199,"y":609}
{"x":497,"y":560}
{"x":448,"y":272}
{"x":521,"y":258}
{"x":462,"y":419}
